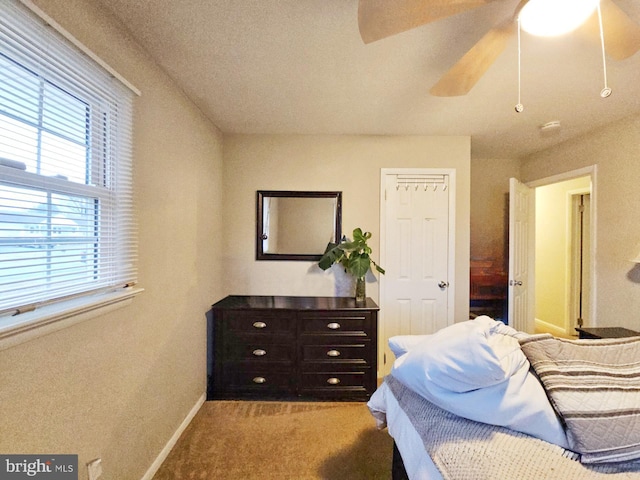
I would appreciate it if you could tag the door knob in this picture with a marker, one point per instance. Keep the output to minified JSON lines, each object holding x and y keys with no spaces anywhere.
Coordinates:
{"x":442,"y":284}
{"x":517,"y":283}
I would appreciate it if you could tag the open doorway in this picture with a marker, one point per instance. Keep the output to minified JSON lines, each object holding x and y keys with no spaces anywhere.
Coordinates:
{"x":563,"y":255}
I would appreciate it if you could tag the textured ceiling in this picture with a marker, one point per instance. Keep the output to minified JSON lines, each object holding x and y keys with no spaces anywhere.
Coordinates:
{"x":300,"y":66}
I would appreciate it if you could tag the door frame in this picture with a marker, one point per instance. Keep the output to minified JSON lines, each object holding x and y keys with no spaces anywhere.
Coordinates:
{"x":592,"y":172}
{"x":574,"y":258}
{"x":451,"y":264}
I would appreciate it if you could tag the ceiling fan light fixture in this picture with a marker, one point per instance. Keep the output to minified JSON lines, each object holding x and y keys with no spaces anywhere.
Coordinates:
{"x":548,"y":18}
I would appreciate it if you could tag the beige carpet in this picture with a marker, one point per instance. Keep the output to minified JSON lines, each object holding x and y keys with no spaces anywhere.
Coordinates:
{"x":280,"y":440}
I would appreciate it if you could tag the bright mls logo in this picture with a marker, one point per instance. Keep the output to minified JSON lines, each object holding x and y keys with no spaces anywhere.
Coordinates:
{"x":49,"y":467}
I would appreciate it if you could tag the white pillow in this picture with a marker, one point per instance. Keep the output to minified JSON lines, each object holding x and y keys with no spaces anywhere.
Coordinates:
{"x":444,"y":367}
{"x":401,"y":344}
{"x":464,"y":356}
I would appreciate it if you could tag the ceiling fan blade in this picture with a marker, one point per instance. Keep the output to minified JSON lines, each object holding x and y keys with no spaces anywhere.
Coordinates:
{"x":621,"y":34}
{"x":379,"y":19}
{"x":461,"y":78}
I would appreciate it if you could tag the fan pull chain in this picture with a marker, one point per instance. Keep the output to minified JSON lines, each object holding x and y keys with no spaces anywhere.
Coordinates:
{"x":519,"y":106}
{"x":606,"y":91}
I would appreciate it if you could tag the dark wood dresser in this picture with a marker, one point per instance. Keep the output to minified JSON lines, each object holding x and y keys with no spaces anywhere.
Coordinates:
{"x":303,"y":347}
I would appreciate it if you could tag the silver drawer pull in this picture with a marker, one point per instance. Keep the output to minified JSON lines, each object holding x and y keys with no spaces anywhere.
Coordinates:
{"x":333,"y":326}
{"x":259,"y":380}
{"x":333,"y":353}
{"x":259,"y":324}
{"x":258,"y":352}
{"x":333,"y":381}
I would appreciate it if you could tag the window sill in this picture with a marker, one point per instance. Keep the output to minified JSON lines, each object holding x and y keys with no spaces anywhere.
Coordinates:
{"x":28,"y":326}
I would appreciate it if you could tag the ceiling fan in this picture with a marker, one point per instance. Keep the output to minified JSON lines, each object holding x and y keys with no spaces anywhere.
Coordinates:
{"x":378,"y":19}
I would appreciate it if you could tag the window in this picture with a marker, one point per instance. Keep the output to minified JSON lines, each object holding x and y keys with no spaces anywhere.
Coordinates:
{"x":66,"y":226}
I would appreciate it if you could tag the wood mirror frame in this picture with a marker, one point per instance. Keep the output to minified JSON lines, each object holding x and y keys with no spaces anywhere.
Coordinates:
{"x":295,"y":225}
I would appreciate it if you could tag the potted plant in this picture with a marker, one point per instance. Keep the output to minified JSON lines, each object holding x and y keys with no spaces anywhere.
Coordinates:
{"x":355,"y":256}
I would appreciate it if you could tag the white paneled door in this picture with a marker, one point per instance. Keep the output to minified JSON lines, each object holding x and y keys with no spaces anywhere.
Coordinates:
{"x":521,"y":256}
{"x":416,"y":293}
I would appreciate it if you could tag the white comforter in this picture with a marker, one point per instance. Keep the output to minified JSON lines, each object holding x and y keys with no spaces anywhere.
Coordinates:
{"x":387,"y":412}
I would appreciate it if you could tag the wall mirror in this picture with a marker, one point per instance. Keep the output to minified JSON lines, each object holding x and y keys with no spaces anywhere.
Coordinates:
{"x":296,"y":225}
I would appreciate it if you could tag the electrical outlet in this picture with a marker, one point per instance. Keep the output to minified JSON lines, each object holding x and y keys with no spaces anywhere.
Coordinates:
{"x":95,"y":469}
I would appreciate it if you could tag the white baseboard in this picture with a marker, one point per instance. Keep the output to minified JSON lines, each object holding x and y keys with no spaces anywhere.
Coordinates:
{"x":542,"y":326}
{"x":172,"y":441}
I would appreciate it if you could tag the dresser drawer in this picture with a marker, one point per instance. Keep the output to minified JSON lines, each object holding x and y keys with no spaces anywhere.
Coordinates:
{"x":260,"y":322}
{"x":337,"y":353}
{"x":337,"y":323}
{"x":346,"y":385}
{"x":259,"y":352}
{"x":258,"y":381}
{"x":332,"y":381}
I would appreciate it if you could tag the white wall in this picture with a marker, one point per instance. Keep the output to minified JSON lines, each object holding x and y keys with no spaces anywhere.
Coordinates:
{"x":350,"y":164}
{"x":615,"y":150}
{"x":490,"y":209}
{"x":119,"y":385}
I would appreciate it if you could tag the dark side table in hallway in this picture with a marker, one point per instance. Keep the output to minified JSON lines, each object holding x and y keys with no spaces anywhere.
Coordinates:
{"x":605,"y":332}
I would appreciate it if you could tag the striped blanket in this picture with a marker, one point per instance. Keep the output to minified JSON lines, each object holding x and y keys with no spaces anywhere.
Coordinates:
{"x":594,"y":386}
{"x":463,"y":449}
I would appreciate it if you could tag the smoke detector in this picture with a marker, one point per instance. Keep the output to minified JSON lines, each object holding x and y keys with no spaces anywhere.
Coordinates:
{"x":550,"y":128}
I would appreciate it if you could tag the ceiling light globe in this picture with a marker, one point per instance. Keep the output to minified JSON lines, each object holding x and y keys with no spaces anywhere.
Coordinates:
{"x":549,"y":18}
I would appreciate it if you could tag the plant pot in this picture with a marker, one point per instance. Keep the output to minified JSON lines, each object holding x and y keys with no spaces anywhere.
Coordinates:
{"x":361,"y":290}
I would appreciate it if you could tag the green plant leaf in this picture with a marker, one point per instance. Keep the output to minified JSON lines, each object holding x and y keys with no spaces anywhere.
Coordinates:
{"x":332,"y":254}
{"x":359,"y":265}
{"x":350,"y":246}
{"x":378,"y":267}
{"x":353,"y":255}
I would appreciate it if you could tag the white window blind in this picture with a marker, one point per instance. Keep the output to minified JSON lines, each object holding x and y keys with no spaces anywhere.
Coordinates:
{"x":66,"y":213}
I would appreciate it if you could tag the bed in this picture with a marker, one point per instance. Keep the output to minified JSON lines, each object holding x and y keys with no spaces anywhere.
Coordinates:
{"x":479,"y":400}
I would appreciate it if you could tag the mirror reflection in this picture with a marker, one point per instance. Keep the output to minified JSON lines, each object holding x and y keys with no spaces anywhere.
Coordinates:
{"x":297,"y":225}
